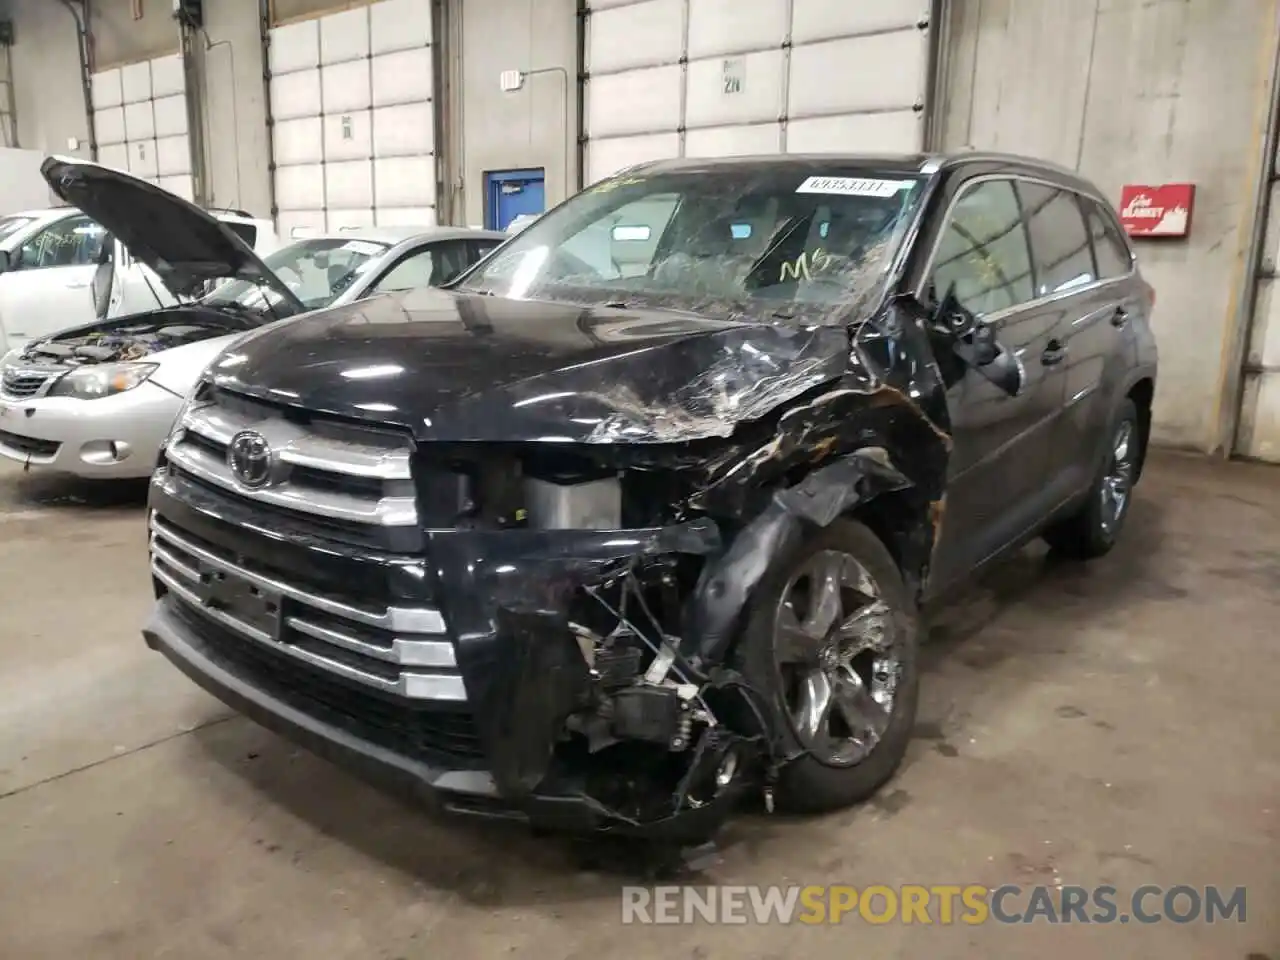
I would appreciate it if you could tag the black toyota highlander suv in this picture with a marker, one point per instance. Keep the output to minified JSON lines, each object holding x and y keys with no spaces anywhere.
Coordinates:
{"x":639,"y":514}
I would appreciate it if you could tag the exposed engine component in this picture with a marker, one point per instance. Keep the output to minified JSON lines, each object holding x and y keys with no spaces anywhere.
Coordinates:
{"x":134,"y":339}
{"x":642,"y":694}
{"x":96,"y":348}
{"x":652,"y":714}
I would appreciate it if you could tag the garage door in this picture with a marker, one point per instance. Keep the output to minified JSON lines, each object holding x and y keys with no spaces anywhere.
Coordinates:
{"x":354,"y":132}
{"x":140,"y":122}
{"x":710,"y":78}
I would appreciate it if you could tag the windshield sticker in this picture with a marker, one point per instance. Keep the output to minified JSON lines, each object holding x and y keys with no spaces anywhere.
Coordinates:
{"x":806,"y":265}
{"x":853,"y":186}
{"x":362,"y":247}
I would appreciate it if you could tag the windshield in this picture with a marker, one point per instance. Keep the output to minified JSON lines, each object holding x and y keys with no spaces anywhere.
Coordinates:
{"x":789,"y":237}
{"x":318,"y":271}
{"x":11,"y":225}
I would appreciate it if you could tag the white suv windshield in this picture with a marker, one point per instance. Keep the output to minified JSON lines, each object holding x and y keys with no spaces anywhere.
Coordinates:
{"x":792,"y":236}
{"x":317,"y":271}
{"x":11,"y":225}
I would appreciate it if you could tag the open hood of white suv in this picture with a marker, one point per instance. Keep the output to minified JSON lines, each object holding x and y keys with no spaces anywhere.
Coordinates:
{"x":183,"y":244}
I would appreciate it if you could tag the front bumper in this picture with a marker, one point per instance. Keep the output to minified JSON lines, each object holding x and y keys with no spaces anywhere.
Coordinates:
{"x":478,"y":745}
{"x":441,"y":786}
{"x":74,"y":436}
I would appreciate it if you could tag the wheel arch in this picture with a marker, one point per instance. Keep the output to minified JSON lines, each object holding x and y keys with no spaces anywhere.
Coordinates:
{"x":864,"y":484}
{"x":1142,"y":391}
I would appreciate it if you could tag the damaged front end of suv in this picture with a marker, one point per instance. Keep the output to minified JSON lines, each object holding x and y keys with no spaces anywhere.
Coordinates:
{"x":597,"y":525}
{"x":597,"y":586}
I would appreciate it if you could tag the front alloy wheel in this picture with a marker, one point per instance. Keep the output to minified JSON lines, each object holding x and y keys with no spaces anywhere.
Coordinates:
{"x":836,"y":656}
{"x":830,"y":641}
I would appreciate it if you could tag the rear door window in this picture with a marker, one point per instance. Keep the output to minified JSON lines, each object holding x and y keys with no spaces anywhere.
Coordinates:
{"x":982,"y":255}
{"x":1109,"y":246}
{"x":482,"y":248}
{"x":1059,"y":244}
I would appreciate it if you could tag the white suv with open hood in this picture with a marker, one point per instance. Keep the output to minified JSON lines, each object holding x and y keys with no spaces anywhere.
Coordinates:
{"x":97,"y":400}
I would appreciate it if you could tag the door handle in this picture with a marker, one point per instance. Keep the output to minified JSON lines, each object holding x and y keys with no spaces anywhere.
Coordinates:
{"x":76,"y":286}
{"x":1054,"y":353}
{"x":1120,"y":317}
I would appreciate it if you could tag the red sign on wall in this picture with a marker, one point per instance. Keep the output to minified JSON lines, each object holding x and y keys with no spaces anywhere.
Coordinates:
{"x":1160,"y":211}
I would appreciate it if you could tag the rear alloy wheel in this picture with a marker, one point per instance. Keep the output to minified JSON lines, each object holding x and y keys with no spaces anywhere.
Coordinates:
{"x":1117,"y":482}
{"x":1095,"y":527}
{"x":832,"y":638}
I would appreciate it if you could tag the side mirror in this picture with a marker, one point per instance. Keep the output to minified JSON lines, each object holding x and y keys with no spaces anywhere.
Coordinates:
{"x":1003,"y":369}
{"x":949,"y":318}
{"x":975,"y":343}
{"x":4,"y":260}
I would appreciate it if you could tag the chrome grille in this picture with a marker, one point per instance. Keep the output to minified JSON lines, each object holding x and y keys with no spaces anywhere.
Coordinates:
{"x":332,"y":470}
{"x":22,"y":383}
{"x":397,"y":649}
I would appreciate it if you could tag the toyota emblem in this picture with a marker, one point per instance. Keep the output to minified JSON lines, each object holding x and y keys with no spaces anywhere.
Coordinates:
{"x":249,"y":457}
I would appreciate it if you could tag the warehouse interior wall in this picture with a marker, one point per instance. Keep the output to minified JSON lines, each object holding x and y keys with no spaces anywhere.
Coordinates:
{"x":1126,"y":91}
{"x":536,"y":126}
{"x":1167,"y":92}
{"x":127,"y":31}
{"x":237,"y":145}
{"x":48,"y":94}
{"x":8,"y":130}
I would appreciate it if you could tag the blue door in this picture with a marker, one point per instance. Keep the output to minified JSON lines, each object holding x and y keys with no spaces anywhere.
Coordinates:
{"x":510,"y":193}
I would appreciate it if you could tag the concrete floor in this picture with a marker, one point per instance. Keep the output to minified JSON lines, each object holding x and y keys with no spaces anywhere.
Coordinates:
{"x":1114,"y":723}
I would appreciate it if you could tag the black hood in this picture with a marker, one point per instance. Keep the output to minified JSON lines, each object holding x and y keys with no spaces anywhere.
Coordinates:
{"x":457,"y":367}
{"x":183,"y":244}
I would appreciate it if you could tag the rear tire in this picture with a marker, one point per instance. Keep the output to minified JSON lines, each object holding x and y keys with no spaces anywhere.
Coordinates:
{"x":855,"y":739}
{"x":1094,"y":529}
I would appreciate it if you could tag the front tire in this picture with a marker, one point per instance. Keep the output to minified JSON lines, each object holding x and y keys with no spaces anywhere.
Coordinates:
{"x":831,"y":640}
{"x":1094,"y":529}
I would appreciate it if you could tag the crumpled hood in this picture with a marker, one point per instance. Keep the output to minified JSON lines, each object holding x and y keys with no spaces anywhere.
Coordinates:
{"x":457,"y":367}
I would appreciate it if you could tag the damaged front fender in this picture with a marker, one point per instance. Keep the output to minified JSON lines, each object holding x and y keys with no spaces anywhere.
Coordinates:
{"x":726,"y":584}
